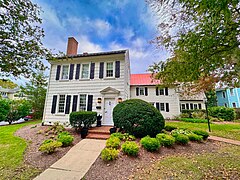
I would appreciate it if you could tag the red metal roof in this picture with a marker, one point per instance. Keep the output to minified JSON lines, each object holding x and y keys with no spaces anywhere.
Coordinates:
{"x":143,"y":79}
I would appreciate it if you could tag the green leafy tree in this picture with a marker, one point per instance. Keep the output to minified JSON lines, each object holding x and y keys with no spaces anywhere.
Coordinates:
{"x":21,"y":48}
{"x":36,"y":92}
{"x":211,"y":98}
{"x":203,"y":38}
{"x":4,"y":109}
{"x":7,"y":84}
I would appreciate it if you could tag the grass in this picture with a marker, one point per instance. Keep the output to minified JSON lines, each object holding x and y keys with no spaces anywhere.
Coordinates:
{"x":222,"y":164}
{"x":193,"y":120}
{"x":231,"y":131}
{"x":11,"y":153}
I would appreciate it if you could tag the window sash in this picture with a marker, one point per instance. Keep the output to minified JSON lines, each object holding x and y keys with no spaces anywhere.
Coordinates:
{"x":109,"y":69}
{"x":82,"y":102}
{"x":162,"y":107}
{"x":61,"y":103}
{"x":183,"y":107}
{"x":141,"y":91}
{"x":85,"y":71}
{"x":65,"y":72}
{"x":161,"y":91}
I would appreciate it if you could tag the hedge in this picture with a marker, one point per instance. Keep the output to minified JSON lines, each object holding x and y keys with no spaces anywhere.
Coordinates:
{"x":228,"y":114}
{"x":86,"y":118}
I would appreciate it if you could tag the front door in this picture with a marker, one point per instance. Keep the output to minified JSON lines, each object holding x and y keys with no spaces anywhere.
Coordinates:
{"x":109,"y":104}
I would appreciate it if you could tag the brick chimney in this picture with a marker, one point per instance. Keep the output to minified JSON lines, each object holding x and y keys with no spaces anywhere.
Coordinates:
{"x":72,"y":46}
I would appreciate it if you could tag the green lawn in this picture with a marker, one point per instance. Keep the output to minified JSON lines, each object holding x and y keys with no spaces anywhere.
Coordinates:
{"x":11,"y":153}
{"x":222,"y":164}
{"x":231,"y":131}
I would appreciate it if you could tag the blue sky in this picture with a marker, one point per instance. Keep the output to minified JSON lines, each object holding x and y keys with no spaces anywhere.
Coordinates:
{"x":103,"y":25}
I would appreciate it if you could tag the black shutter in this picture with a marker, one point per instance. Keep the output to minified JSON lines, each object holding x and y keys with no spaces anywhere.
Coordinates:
{"x":146,"y":91}
{"x":101,"y":70}
{"x":92,"y":70}
{"x":90,"y":101}
{"x":71,"y":71}
{"x":157,"y":106}
{"x":117,"y":69}
{"x":54,"y":104}
{"x":68,"y":102}
{"x":167,"y":107}
{"x":137,"y":91}
{"x":58,"y":72}
{"x":77,"y":71}
{"x":157,"y":92}
{"x":74,"y":105}
{"x":166,"y":91}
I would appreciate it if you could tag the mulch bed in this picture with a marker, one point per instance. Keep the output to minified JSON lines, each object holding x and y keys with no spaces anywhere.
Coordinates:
{"x":35,"y":135}
{"x":125,"y":166}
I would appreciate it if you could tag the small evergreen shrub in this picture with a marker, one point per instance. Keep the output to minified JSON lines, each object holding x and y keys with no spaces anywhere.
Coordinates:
{"x":165,"y":139}
{"x":220,"y":112}
{"x":199,"y":115}
{"x":47,"y":141}
{"x":195,"y":137}
{"x":169,"y":128}
{"x":128,"y":137}
{"x":138,"y":117}
{"x":117,"y":135}
{"x":202,"y":133}
{"x":181,"y":139}
{"x":130,"y":148}
{"x":65,"y":138}
{"x":180,"y":131}
{"x":150,"y":144}
{"x":109,"y":154}
{"x":49,"y":147}
{"x":113,"y":142}
{"x":56,"y":128}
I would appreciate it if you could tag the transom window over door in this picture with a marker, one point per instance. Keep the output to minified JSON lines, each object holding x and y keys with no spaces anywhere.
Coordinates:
{"x":65,"y":73}
{"x":109,"y":69}
{"x":83,"y":102}
{"x":61,"y":103}
{"x":85,"y":71}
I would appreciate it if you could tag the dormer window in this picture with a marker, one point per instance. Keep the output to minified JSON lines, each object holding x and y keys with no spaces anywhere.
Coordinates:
{"x":109,"y":69}
{"x":65,"y":72}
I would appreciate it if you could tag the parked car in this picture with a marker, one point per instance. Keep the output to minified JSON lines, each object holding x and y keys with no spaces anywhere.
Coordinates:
{"x":28,"y":117}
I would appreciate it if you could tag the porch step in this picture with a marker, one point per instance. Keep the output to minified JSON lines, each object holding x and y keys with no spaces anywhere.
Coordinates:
{"x":99,"y":132}
{"x":98,"y":136}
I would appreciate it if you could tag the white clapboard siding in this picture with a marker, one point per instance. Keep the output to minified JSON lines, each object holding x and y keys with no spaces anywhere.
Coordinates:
{"x":172,"y":99}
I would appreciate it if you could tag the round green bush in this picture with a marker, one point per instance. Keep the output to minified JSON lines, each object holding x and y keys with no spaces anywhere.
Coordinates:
{"x":65,"y":138}
{"x":117,"y":135}
{"x":138,"y":117}
{"x":169,"y":128}
{"x":109,"y":154}
{"x":195,"y":137}
{"x":181,"y":139}
{"x":150,"y":144}
{"x":113,"y":142}
{"x":49,"y":147}
{"x":130,"y":148}
{"x":202,"y":133}
{"x":165,"y":139}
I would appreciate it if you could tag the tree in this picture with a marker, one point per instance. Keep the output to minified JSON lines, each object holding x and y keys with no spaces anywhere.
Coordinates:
{"x":21,"y":49}
{"x":4,"y":109}
{"x":211,"y":98}
{"x":203,"y":38}
{"x":36,"y":93}
{"x":7,"y":84}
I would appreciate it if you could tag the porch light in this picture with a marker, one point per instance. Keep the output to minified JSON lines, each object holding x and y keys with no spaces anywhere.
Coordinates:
{"x":99,"y":100}
{"x":119,"y":100}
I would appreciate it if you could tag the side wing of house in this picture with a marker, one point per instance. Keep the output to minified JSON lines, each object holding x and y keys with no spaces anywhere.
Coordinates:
{"x":191,"y":102}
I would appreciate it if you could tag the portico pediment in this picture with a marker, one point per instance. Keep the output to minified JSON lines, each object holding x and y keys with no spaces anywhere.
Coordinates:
{"x":109,"y":90}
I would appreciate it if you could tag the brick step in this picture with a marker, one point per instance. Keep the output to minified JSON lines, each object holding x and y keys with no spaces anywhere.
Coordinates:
{"x":98,"y":131}
{"x":97,"y":136}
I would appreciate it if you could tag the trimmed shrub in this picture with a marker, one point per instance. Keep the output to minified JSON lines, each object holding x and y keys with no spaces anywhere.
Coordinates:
{"x":109,"y":154}
{"x":202,"y":133}
{"x":199,"y":115}
{"x":86,"y":118}
{"x":180,"y":131}
{"x":49,"y":146}
{"x":165,"y":139}
{"x":130,"y":148}
{"x":237,"y":112}
{"x":65,"y":138}
{"x":169,"y":128}
{"x":195,"y":137}
{"x":220,"y":112}
{"x":113,"y":142}
{"x":138,"y":118}
{"x":117,"y":135}
{"x":150,"y":144}
{"x":181,"y":139}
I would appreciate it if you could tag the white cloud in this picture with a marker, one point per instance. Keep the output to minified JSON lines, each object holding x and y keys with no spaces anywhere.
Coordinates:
{"x":128,"y":34}
{"x":102,"y":28}
{"x":85,"y":45}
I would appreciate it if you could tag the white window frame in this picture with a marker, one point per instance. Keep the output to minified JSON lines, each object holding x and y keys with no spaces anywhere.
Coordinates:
{"x":162,"y":108}
{"x":62,"y":71}
{"x":80,"y":100}
{"x":232,"y":92}
{"x":81,"y":70}
{"x":58,"y":101}
{"x":143,"y":90}
{"x":183,"y":105}
{"x":105,"y":69}
{"x":195,"y":106}
{"x":162,"y":90}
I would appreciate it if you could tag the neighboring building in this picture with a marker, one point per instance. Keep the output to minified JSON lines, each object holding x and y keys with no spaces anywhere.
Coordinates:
{"x":166,"y":100}
{"x":8,"y":93}
{"x":88,"y":81}
{"x":228,"y":97}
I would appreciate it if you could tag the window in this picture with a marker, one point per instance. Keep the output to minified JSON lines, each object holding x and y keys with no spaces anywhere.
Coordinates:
{"x":141,"y":91}
{"x":61,"y":103}
{"x":195,"y":106}
{"x":109,"y":69}
{"x":191,"y":106}
{"x":231,"y":92}
{"x":85,"y":71}
{"x":83,"y":102}
{"x":162,"y":108}
{"x":183,"y":106}
{"x":225,"y":104}
{"x":199,"y":106}
{"x":187,"y":106}
{"x":234,"y":105}
{"x":224,"y":94}
{"x":65,"y":69}
{"x":161,"y":91}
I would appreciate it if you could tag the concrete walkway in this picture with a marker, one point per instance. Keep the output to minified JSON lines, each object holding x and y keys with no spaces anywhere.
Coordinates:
{"x":230,"y":141}
{"x":75,"y":164}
